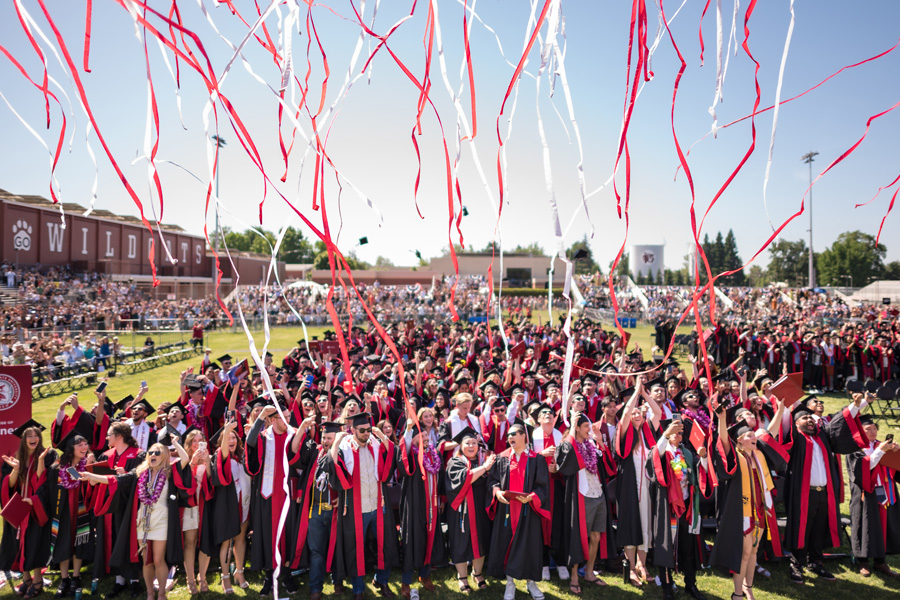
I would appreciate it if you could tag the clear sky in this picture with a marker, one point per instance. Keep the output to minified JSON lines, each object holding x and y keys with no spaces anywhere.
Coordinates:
{"x":370,"y":135}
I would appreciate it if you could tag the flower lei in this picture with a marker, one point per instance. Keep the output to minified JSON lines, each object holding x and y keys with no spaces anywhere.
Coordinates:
{"x":431,"y":460}
{"x":66,"y":480}
{"x":679,"y":466}
{"x":589,"y":454}
{"x":147,"y":496}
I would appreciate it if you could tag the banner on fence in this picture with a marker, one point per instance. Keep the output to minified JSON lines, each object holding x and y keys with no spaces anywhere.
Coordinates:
{"x":15,"y":405}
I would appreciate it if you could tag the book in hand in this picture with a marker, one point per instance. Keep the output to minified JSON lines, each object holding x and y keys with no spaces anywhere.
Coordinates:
{"x":891,"y":460}
{"x":518,"y":350}
{"x":16,"y":510}
{"x":511,"y":495}
{"x":101,"y":468}
{"x":787,"y":390}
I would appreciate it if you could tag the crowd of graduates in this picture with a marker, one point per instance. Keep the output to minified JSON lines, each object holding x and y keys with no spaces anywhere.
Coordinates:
{"x":451,"y":447}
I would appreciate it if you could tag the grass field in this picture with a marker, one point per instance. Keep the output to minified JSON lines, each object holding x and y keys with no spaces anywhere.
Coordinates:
{"x":163,"y":384}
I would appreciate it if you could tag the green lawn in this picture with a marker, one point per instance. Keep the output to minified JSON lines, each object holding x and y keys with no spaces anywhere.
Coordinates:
{"x":163,"y":384}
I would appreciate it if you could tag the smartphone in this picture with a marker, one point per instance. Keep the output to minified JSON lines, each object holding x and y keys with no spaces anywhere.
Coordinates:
{"x":677,"y":418}
{"x":309,"y":380}
{"x":73,"y":473}
{"x":143,"y":384}
{"x":201,"y":446}
{"x":101,"y":387}
{"x":720,"y":408}
{"x":889,"y":437}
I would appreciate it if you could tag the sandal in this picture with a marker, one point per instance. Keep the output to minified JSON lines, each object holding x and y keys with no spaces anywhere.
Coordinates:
{"x":23,"y":589}
{"x":35,"y":589}
{"x":763,"y":572}
{"x":575,"y":589}
{"x":464,"y":585}
{"x":479,"y":579}
{"x":596,"y":581}
{"x":228,"y":590}
{"x":635,"y":579}
{"x":204,"y":585}
{"x":241,"y":581}
{"x":192,"y":587}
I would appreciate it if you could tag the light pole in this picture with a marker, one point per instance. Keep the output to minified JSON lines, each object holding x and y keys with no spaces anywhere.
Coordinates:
{"x":808,"y":159}
{"x":220,"y":143}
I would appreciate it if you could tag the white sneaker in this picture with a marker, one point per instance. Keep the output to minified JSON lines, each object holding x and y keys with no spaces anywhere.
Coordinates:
{"x":510,"y":593}
{"x":563,"y":573}
{"x":535,"y":592}
{"x":545,"y":574}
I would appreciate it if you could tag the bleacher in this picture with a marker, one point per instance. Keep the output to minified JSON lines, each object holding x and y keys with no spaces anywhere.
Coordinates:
{"x":49,"y":381}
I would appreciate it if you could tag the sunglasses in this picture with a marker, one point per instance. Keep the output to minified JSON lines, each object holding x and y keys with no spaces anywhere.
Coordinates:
{"x":363,"y":429}
{"x":497,"y":411}
{"x":548,"y":413}
{"x":155,"y":453}
{"x":513,"y":434}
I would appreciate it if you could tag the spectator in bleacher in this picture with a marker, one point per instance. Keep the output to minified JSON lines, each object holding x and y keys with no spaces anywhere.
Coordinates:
{"x":77,"y":351}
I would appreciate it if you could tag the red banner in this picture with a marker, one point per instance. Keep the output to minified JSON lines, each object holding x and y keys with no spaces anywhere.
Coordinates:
{"x":15,"y":405}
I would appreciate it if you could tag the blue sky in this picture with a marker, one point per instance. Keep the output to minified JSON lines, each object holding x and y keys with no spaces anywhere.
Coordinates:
{"x":369,"y":140}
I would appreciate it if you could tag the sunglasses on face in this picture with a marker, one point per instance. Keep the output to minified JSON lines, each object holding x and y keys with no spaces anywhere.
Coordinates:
{"x":497,"y":411}
{"x":155,"y":453}
{"x":363,"y":429}
{"x":513,"y":434}
{"x":546,"y":413}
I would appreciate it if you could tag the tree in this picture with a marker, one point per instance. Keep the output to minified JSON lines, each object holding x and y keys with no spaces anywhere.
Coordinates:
{"x":383,"y":263}
{"x":757,"y":276}
{"x":731,"y":261}
{"x":295,"y":248}
{"x":640,"y":279}
{"x":586,"y":265}
{"x":622,"y":269}
{"x":892,"y":270}
{"x":852,"y":253}
{"x":533,"y":249}
{"x":321,"y":260}
{"x":788,"y":262}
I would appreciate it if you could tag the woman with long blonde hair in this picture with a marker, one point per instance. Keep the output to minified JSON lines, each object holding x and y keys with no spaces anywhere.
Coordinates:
{"x":154,"y":492}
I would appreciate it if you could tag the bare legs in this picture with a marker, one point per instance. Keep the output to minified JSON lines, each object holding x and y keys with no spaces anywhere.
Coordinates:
{"x":190,"y":552}
{"x":157,"y":570}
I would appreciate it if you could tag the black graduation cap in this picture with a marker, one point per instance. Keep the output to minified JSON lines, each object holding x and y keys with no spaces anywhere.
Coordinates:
{"x":532,"y":407}
{"x":346,"y":399}
{"x":193,"y":384}
{"x":330,"y":427}
{"x":361,"y":419}
{"x":625,"y":395}
{"x":735,"y":412}
{"x":69,"y":439}
{"x":109,"y":407}
{"x":269,"y":354}
{"x":465,"y":211}
{"x":148,"y":408}
{"x":462,"y":378}
{"x":464,"y":433}
{"x":121,"y":404}
{"x":515,"y":390}
{"x":20,"y":430}
{"x":213,"y":365}
{"x":725,"y":375}
{"x":738,"y":429}
{"x":225,"y":357}
{"x":166,"y":439}
{"x":363,"y":241}
{"x":258,"y":402}
{"x":536,"y":411}
{"x":801,"y":411}
{"x":867,"y":420}
{"x":580,"y":254}
{"x":214,"y":438}
{"x":855,"y":386}
{"x":179,"y":406}
{"x":654,"y":382}
{"x":486,"y":383}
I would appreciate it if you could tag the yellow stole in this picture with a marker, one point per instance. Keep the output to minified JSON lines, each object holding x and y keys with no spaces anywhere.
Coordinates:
{"x":747,"y":481}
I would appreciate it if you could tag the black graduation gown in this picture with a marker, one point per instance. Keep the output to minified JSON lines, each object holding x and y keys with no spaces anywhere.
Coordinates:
{"x":265,"y":512}
{"x":468,"y":521}
{"x":109,"y":523}
{"x":628,"y":529}
{"x":517,"y":547}
{"x":222,"y":513}
{"x":874,"y":528}
{"x":728,"y":549}
{"x":30,"y":542}
{"x":421,"y":535}
{"x":314,"y":463}
{"x":573,"y":533}
{"x":123,"y":499}
{"x":351,"y":552}
{"x":663,"y":483}
{"x":63,"y":503}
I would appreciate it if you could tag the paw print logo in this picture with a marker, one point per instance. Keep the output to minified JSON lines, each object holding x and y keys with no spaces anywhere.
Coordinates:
{"x":21,"y":235}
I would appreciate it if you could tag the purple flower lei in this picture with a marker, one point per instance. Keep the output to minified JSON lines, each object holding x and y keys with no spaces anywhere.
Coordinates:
{"x":431,"y":459}
{"x":66,"y":481}
{"x":147,"y":496}
{"x":589,"y":454}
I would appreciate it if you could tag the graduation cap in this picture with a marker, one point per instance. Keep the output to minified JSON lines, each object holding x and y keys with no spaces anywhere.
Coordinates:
{"x":516,"y":389}
{"x":683,"y":395}
{"x":348,"y":399}
{"x":148,"y":408}
{"x":867,"y":420}
{"x":532,"y":408}
{"x":464,"y":433}
{"x":109,"y":407}
{"x":655,"y":382}
{"x":580,"y":254}
{"x":465,"y":211}
{"x":123,"y":403}
{"x":361,"y":419}
{"x":736,"y":412}
{"x":486,"y":383}
{"x":739,"y":429}
{"x":20,"y":430}
{"x":725,"y":375}
{"x":193,"y":384}
{"x":625,"y":395}
{"x":179,"y":406}
{"x":166,"y":438}
{"x":258,"y":402}
{"x":363,"y":240}
{"x":69,"y":439}
{"x":536,"y":411}
{"x":801,"y":411}
{"x":224,"y":358}
{"x":330,"y":427}
{"x":213,"y":365}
